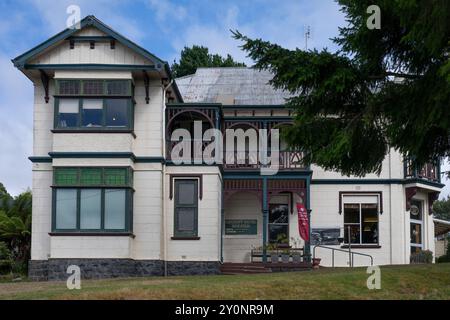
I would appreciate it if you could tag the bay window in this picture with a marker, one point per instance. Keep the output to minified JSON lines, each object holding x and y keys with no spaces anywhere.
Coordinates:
{"x":92,"y":199}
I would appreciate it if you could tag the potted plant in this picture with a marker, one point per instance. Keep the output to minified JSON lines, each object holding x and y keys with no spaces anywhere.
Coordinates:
{"x":316,"y":263}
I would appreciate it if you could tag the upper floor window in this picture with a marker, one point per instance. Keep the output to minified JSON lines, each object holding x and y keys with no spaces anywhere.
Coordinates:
{"x":94,"y":104}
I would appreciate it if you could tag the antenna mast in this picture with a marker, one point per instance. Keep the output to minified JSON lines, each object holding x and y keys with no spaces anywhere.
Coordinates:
{"x":307,"y":36}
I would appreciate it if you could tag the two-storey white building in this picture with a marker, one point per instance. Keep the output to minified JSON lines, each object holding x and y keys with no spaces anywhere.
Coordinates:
{"x":108,"y":197}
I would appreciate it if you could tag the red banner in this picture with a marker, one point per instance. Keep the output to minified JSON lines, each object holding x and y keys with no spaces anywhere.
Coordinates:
{"x":303,"y":223}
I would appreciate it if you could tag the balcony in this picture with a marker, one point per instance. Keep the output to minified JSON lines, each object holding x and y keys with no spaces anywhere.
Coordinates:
{"x":244,"y":161}
{"x":429,"y":171}
{"x":288,"y":160}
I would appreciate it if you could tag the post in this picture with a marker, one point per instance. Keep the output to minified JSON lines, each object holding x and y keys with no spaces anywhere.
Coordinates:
{"x":265,"y":212}
{"x":349,"y":248}
{"x":308,"y":210}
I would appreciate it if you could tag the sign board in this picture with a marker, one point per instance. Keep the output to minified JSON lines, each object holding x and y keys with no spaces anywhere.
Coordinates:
{"x":241,"y":227}
{"x":325,"y":236}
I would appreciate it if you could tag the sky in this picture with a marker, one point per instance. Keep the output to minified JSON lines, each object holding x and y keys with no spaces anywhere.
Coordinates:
{"x":163,"y":27}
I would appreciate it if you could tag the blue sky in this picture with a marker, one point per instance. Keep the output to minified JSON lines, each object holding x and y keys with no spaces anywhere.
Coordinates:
{"x":163,"y":27}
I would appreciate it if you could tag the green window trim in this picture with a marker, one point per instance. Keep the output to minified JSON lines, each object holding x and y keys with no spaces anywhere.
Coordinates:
{"x":179,"y":206}
{"x":111,"y":177}
{"x":128,"y":213}
{"x":103,"y":127}
{"x":106,"y":85}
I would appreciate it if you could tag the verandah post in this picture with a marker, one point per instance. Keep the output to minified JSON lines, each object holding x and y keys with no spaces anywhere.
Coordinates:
{"x":265,"y":212}
{"x":308,"y":210}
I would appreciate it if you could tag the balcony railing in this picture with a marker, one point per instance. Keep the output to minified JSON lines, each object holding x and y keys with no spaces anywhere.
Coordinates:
{"x":429,"y":171}
{"x":287,"y":160}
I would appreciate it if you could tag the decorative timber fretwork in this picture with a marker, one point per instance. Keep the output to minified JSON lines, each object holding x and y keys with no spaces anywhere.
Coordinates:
{"x":410,"y":193}
{"x":432,"y":197}
{"x":147,"y":87}
{"x":278,"y":186}
{"x":45,"y":82}
{"x":274,"y":187}
{"x":186,"y":176}
{"x":232,"y":187}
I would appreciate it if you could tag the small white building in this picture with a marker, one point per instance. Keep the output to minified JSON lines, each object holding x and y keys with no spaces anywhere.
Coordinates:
{"x":107,"y":195}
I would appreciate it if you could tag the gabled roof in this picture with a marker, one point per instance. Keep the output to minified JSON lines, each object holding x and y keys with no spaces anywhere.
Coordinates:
{"x":21,"y":61}
{"x":231,"y":86}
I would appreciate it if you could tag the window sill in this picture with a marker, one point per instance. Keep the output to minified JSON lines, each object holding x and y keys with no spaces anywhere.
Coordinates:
{"x":92,"y":234}
{"x":185,"y":238}
{"x":82,"y":130}
{"x":362,"y":246}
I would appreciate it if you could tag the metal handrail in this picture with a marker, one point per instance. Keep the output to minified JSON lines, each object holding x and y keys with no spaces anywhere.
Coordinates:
{"x":342,"y":250}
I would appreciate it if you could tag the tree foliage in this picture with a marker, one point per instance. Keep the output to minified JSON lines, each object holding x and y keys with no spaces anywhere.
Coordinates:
{"x":441,"y":209}
{"x":15,"y":224}
{"x":385,"y":88}
{"x":199,"y":57}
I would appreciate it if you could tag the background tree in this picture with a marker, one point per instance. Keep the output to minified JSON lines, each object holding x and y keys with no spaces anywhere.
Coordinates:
{"x":384,"y":88}
{"x":199,"y":56}
{"x":15,"y":226}
{"x":441,"y":209}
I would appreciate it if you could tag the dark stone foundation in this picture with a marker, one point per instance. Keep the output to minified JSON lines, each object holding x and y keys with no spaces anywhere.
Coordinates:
{"x":55,"y":269}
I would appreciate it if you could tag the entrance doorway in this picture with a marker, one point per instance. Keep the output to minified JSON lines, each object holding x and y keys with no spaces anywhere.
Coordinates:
{"x":416,"y":230}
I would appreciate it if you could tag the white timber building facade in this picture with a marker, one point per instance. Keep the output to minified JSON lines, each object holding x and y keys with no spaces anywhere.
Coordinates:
{"x":108,"y":197}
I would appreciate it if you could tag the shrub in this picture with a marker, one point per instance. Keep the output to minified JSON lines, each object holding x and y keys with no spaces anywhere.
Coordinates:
{"x":5,"y":259}
{"x":425,"y":256}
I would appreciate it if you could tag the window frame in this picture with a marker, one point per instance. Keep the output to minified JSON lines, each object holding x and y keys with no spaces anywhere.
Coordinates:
{"x":420,"y":223}
{"x":81,"y":81}
{"x":127,"y":187}
{"x":176,"y":205}
{"x":379,"y":205}
{"x":104,"y":128}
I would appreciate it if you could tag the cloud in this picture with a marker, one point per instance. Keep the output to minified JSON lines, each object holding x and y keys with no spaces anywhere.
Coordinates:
{"x":53,"y":15}
{"x":165,"y":9}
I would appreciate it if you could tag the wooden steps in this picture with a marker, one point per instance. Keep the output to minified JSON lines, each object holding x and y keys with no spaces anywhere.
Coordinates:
{"x":258,"y":267}
{"x":244,"y":268}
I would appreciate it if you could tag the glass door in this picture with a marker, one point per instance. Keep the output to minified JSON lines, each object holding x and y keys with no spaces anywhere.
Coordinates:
{"x":416,"y":230}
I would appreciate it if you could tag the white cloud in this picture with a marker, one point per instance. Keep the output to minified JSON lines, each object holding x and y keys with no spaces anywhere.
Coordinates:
{"x":53,"y":14}
{"x":165,"y":9}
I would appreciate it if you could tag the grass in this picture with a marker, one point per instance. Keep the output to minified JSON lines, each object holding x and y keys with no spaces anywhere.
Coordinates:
{"x":397,"y":282}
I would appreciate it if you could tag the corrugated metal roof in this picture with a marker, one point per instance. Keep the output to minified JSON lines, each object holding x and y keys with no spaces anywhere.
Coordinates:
{"x":230,"y":86}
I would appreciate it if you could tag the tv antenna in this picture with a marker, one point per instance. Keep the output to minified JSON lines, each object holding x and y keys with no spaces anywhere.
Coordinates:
{"x":307,"y":36}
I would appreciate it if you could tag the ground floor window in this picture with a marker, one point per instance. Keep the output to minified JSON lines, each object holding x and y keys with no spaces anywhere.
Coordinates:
{"x":361,"y":219}
{"x":279,"y":220}
{"x":186,"y":208}
{"x":92,"y":199}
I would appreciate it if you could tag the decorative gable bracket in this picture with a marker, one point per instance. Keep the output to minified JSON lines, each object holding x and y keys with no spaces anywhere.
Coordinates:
{"x":45,"y":82}
{"x":147,"y":87}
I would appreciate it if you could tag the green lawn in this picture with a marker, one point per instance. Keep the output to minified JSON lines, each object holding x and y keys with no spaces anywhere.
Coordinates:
{"x":398,"y":282}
